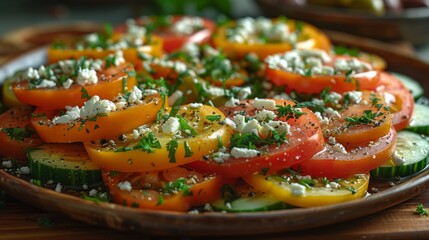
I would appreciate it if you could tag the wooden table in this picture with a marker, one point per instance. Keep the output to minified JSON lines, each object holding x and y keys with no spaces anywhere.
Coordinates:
{"x":21,"y":221}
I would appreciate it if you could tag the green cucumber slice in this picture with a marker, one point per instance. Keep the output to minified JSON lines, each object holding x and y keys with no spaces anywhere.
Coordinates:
{"x":260,"y":202}
{"x":68,"y":164}
{"x":415,"y":88}
{"x":413,"y":150}
{"x":419,"y":122}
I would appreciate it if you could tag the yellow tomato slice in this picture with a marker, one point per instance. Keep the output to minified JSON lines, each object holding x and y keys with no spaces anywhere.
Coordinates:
{"x":289,"y":189}
{"x":130,"y":155}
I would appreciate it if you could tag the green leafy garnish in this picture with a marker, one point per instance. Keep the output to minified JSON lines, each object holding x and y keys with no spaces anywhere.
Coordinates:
{"x":18,"y":134}
{"x":421,"y":210}
{"x":288,"y":111}
{"x":367,"y":118}
{"x":178,"y":185}
{"x":85,"y":93}
{"x":188,"y":150}
{"x":185,"y":127}
{"x":172,"y":148}
{"x":213,"y":118}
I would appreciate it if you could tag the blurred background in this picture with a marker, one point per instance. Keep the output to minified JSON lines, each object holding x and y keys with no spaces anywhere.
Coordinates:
{"x":25,"y":24}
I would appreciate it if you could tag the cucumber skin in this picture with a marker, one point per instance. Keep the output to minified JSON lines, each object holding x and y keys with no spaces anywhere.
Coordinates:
{"x":419,"y":129}
{"x":72,"y":178}
{"x":276,"y":206}
{"x":400,"y":171}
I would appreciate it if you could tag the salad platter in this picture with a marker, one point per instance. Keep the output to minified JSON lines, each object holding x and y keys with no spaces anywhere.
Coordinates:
{"x":203,"y":222}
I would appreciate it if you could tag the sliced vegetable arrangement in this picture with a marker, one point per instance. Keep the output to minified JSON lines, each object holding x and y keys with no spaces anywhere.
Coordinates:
{"x":254,"y":115}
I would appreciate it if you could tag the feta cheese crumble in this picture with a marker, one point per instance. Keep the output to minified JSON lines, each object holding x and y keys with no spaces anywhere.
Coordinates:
{"x":86,"y":77}
{"x":125,"y":186}
{"x":171,"y":126}
{"x":244,"y":152}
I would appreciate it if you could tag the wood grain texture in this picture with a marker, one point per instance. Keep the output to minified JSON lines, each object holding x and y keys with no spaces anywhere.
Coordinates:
{"x":20,"y":221}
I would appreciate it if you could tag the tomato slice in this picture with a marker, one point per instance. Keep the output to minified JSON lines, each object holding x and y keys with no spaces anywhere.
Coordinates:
{"x":308,"y":37}
{"x":307,"y":192}
{"x":176,"y":189}
{"x":104,"y":126}
{"x":133,"y":41}
{"x":332,"y":163}
{"x":111,"y":82}
{"x":303,"y":141}
{"x":306,"y":80}
{"x":156,"y":148}
{"x":402,"y":105}
{"x":361,"y":122}
{"x":17,"y":134}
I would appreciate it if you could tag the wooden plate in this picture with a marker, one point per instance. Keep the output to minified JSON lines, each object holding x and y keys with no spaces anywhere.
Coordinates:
{"x":220,"y":224}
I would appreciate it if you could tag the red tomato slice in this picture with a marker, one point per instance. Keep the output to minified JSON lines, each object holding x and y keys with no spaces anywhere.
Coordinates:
{"x":305,"y":140}
{"x":402,"y":106}
{"x":16,"y":133}
{"x":316,"y":83}
{"x":333,"y":164}
{"x":110,"y":84}
{"x":176,"y":189}
{"x":163,"y":26}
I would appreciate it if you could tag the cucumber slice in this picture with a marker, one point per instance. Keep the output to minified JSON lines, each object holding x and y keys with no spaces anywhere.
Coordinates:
{"x":412,"y":150}
{"x":419,"y":122}
{"x":415,"y":88}
{"x":68,"y":164}
{"x":260,"y":202}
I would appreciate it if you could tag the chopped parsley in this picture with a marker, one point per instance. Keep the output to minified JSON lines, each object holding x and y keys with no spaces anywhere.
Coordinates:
{"x":172,"y":148}
{"x":213,"y":118}
{"x":188,"y":150}
{"x":18,"y":134}
{"x":288,"y":111}
{"x":178,"y":186}
{"x":185,"y":127}
{"x":147,"y":144}
{"x":421,"y":210}
{"x":367,"y":118}
{"x":85,"y":93}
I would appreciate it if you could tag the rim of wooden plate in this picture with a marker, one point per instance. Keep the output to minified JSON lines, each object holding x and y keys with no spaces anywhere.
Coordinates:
{"x":232,"y":224}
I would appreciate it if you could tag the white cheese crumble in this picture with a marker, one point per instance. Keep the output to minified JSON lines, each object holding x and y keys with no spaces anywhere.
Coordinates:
{"x":125,"y":186}
{"x":149,"y":92}
{"x":86,"y":77}
{"x":58,"y":188}
{"x":334,"y":185}
{"x":195,"y":105}
{"x":220,"y":157}
{"x":338,"y":147}
{"x":232,"y":102}
{"x":7,"y":164}
{"x":267,"y":104}
{"x":67,"y":84}
{"x":244,"y":152}
{"x":25,"y":170}
{"x":297,"y":189}
{"x":171,"y":126}
{"x":95,"y":106}
{"x":354,"y":96}
{"x":265,"y":115}
{"x":46,"y":84}
{"x":187,"y":25}
{"x":93,"y":192}
{"x":71,"y":114}
{"x":250,"y":127}
{"x":135,"y":95}
{"x":244,"y":93}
